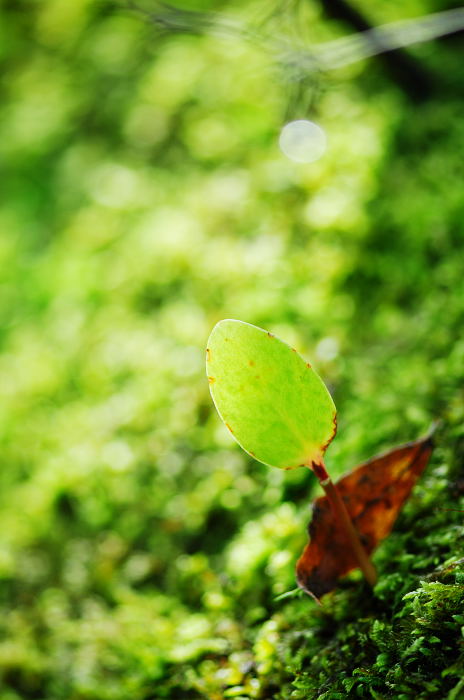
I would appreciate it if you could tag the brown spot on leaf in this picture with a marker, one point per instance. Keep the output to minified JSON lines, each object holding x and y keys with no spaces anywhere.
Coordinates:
{"x":208,"y":355}
{"x":251,"y":453}
{"x":211,"y":380}
{"x":271,"y":335}
{"x":373,"y":494}
{"x":308,"y":365}
{"x":251,"y":363}
{"x":293,"y":350}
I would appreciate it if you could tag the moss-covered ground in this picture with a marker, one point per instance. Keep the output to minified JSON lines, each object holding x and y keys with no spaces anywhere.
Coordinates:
{"x":142,"y":554}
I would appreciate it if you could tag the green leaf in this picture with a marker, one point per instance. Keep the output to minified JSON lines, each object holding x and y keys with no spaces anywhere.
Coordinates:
{"x":271,"y":400}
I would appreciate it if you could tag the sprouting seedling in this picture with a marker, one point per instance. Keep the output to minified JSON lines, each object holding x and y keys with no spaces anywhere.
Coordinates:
{"x":280,"y":412}
{"x":277,"y":408}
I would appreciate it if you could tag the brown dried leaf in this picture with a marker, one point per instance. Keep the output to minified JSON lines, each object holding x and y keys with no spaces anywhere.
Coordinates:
{"x":374,"y":493}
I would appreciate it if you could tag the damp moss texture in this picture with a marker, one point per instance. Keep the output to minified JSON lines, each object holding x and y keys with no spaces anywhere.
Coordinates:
{"x":143,"y":198}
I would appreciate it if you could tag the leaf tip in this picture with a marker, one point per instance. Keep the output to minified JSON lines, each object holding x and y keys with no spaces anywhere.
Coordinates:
{"x":308,"y":592}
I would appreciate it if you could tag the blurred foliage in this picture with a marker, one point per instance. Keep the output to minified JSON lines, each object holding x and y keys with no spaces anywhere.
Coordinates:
{"x":144,"y":198}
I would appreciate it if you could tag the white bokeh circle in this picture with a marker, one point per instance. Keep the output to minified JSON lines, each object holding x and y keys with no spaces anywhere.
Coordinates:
{"x":303,"y":141}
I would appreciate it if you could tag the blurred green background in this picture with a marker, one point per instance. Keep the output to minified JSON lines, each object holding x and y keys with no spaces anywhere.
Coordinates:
{"x":143,"y":197}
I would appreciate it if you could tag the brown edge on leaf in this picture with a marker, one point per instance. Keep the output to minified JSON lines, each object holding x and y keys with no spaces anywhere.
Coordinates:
{"x":229,"y":428}
{"x":208,"y":355}
{"x":425,"y":442}
{"x":211,"y":380}
{"x":331,"y":437}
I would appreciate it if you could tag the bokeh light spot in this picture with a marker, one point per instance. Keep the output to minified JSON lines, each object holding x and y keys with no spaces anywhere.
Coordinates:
{"x":302,"y":141}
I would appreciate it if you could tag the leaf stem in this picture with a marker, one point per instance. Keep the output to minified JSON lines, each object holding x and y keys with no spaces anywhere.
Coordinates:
{"x":345,"y":522}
